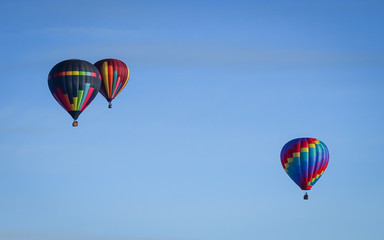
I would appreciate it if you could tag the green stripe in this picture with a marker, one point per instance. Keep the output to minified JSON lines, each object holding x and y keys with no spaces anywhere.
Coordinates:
{"x":114,"y":81}
{"x":80,"y":98}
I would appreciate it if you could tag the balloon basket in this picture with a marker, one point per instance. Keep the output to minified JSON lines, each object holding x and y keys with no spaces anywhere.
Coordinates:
{"x":75,"y":124}
{"x":306,"y":196}
{"x":110,"y":105}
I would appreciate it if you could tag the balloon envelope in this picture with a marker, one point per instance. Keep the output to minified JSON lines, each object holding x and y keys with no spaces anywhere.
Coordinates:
{"x":304,"y":160}
{"x":115,"y":75}
{"x":74,"y":84}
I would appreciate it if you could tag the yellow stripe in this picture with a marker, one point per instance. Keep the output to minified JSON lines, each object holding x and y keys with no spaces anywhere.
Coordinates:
{"x":286,"y":170}
{"x":304,"y":150}
{"x":75,"y":72}
{"x":105,"y":78}
{"x":290,"y":160}
{"x":75,"y":103}
{"x":317,"y":176}
{"x":286,"y":165}
{"x":296,"y":154}
{"x":311,"y":145}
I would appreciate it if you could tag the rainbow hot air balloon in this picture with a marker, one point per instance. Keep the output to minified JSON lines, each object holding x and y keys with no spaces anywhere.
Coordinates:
{"x":305,"y":160}
{"x":74,"y":84}
{"x":115,"y":75}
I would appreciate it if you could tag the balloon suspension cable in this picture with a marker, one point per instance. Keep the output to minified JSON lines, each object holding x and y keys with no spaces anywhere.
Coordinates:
{"x":75,"y":123}
{"x":306,"y":196}
{"x":110,"y":105}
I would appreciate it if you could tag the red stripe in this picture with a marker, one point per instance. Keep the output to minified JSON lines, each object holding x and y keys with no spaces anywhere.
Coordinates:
{"x":59,"y":100}
{"x":310,"y":176}
{"x":85,"y":105}
{"x":116,"y":87}
{"x":58,"y":74}
{"x":284,"y":158}
{"x":289,"y":153}
{"x":326,"y":165}
{"x":296,"y":148}
{"x":322,"y":168}
{"x":93,"y":74}
{"x":304,"y":144}
{"x":68,"y":102}
{"x":64,"y":99}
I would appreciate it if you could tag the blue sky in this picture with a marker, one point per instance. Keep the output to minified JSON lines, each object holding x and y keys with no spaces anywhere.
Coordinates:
{"x":190,"y":150}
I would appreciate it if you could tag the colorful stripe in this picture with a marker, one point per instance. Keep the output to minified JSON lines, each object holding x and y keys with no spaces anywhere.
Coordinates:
{"x":305,"y":160}
{"x":78,"y":102}
{"x":73,"y":73}
{"x":115,"y":75}
{"x":84,"y":94}
{"x":74,"y":84}
{"x":114,"y":86}
{"x":87,"y":102}
{"x":125,"y":83}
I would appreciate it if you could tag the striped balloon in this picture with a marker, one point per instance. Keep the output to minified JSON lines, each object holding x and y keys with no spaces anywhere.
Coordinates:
{"x":74,"y":84}
{"x":115,"y":75}
{"x":305,"y":160}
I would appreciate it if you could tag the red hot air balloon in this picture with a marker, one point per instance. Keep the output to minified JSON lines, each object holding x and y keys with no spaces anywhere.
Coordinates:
{"x":115,"y":75}
{"x":74,"y":84}
{"x":305,"y":160}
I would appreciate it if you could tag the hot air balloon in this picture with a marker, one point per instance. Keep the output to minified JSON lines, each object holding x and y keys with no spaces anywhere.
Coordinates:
{"x":74,"y":84}
{"x":305,"y":160}
{"x":115,"y":75}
